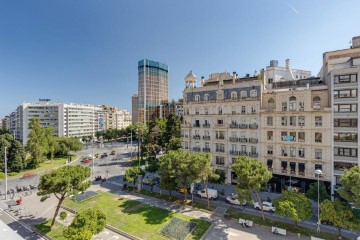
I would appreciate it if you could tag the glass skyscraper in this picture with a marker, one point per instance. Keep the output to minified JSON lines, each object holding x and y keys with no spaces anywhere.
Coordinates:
{"x":152,"y":88}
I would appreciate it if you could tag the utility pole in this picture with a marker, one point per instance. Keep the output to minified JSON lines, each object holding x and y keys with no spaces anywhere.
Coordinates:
{"x":92,"y":156}
{"x":6,"y":184}
{"x":131,"y":145}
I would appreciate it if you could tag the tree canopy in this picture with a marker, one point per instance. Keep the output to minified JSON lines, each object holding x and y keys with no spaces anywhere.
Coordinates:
{"x":312,"y":193}
{"x":251,"y":175}
{"x":350,"y":183}
{"x":63,"y":182}
{"x":293,"y":205}
{"x":86,"y":224}
{"x":339,"y":214}
{"x":131,"y":174}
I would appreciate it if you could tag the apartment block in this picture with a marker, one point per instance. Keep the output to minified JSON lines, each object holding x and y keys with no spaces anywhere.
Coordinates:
{"x":222,"y":117}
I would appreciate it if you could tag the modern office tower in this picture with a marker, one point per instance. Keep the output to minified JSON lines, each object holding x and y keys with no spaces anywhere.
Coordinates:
{"x":152,"y":88}
{"x":296,"y":133}
{"x":222,"y":117}
{"x":134,"y":108}
{"x":341,"y":71}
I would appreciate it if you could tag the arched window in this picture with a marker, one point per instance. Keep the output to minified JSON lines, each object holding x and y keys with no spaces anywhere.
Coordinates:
{"x":243,"y":94}
{"x":220,"y":110}
{"x":197,"y":98}
{"x":292,"y":103}
{"x":271,"y":103}
{"x":271,"y":100}
{"x":206,"y":97}
{"x":316,"y":103}
{"x":253,"y":93}
{"x":233,"y":95}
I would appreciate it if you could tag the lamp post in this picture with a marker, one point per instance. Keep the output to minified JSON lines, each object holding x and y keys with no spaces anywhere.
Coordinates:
{"x":318,"y":172}
{"x":92,"y":157}
{"x":6,"y":185}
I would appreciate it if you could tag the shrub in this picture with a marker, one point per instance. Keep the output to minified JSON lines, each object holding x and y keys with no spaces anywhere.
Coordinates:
{"x":63,"y":215}
{"x":178,"y":228}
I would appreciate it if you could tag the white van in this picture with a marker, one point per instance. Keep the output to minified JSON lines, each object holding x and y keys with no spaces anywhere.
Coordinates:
{"x":211,"y":192}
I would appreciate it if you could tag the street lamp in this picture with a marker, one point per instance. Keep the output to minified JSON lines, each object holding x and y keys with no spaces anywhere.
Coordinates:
{"x":318,"y":172}
{"x":6,"y":185}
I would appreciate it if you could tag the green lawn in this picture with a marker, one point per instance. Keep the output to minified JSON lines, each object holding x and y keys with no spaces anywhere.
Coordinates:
{"x":47,"y":165}
{"x":55,"y":233}
{"x":141,"y":220}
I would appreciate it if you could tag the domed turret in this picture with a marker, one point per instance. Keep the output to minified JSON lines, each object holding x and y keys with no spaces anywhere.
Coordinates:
{"x":190,"y":80}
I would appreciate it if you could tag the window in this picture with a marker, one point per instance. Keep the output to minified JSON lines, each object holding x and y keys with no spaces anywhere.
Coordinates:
{"x":220,"y":147}
{"x":292,"y":121}
{"x":206,"y":97}
{"x":292,"y":137}
{"x":206,"y":111}
{"x":318,"y":166}
{"x":253,"y":150}
{"x":270,"y":135}
{"x":284,"y":106}
{"x":197,"y":123}
{"x":220,"y":96}
{"x":318,"y":137}
{"x":345,"y":78}
{"x":220,"y":160}
{"x":318,"y":121}
{"x":243,"y":94}
{"x":345,"y":137}
{"x":233,"y":110}
{"x":292,"y":103}
{"x":269,"y":121}
{"x":301,"y":121}
{"x":301,"y":137}
{"x":269,"y":163}
{"x":234,"y":95}
{"x":284,"y":151}
{"x":243,"y":109}
{"x":284,"y":165}
{"x":283,"y":121}
{"x":270,"y":80}
{"x":271,"y":103}
{"x":283,"y":136}
{"x":292,"y":152}
{"x":219,"y":135}
{"x":253,"y":109}
{"x":253,"y":93}
{"x":197,"y":98}
{"x":345,"y":123}
{"x":345,"y":107}
{"x":318,"y":154}
{"x":220,"y":110}
{"x":196,"y":111}
{"x":233,"y":147}
{"x":316,"y":103}
{"x":270,"y":150}
{"x":346,"y":152}
{"x":301,"y":106}
{"x":301,"y":152}
{"x":349,"y":93}
{"x":220,"y":122}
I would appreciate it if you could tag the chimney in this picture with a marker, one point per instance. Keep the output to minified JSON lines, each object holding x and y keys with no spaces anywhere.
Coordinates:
{"x":356,"y":42}
{"x":202,"y":81}
{"x":287,"y":63}
{"x":234,"y":77}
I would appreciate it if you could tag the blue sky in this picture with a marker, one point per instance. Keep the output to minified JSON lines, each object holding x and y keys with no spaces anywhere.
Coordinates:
{"x":86,"y":51}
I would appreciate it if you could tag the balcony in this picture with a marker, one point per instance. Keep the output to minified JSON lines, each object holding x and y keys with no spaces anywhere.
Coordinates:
{"x":206,"y":149}
{"x":232,"y":125}
{"x":196,"y":125}
{"x":206,"y":125}
{"x":253,"y":126}
{"x":243,"y":139}
{"x":270,"y":169}
{"x":253,"y":154}
{"x":196,"y":137}
{"x":234,"y":152}
{"x":243,"y":126}
{"x":185,"y":136}
{"x":301,"y":173}
{"x":220,"y":138}
{"x":206,"y":137}
{"x":233,"y":139}
{"x":242,"y":153}
{"x":196,"y":149}
{"x":220,"y":150}
{"x":253,"y":140}
{"x":284,"y":170}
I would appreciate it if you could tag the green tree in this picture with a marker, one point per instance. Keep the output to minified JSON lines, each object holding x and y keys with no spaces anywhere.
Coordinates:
{"x":63,"y":182}
{"x":77,"y":233}
{"x":350,"y":183}
{"x":90,"y":220}
{"x":173,"y":144}
{"x":131,"y":174}
{"x":152,"y":166}
{"x":339,"y":214}
{"x":207,"y":172}
{"x":312,"y":193}
{"x":167,"y":171}
{"x":251,"y":176}
{"x":221,"y":177}
{"x":50,"y":142}
{"x":172,"y":128}
{"x":140,"y":132}
{"x":293,"y":205}
{"x":36,"y":144}
{"x":16,"y":157}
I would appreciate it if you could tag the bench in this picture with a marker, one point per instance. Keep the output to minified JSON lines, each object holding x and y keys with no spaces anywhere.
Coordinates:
{"x":279,"y":231}
{"x":246,"y":223}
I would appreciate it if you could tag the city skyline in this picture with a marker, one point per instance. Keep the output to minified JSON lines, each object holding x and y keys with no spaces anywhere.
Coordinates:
{"x":86,"y":52}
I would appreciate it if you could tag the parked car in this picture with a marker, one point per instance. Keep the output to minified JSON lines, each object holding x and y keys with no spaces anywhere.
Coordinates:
{"x":96,"y":155}
{"x":150,"y":181}
{"x":183,"y":190}
{"x":234,"y":199}
{"x":212,"y":193}
{"x":267,"y":206}
{"x":104,"y":155}
{"x":86,"y":160}
{"x":112,"y":153}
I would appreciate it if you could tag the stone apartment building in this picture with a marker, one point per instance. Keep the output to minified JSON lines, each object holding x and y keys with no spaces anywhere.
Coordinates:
{"x":222,"y":117}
